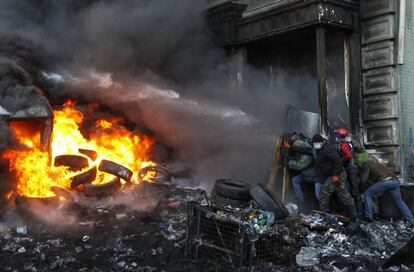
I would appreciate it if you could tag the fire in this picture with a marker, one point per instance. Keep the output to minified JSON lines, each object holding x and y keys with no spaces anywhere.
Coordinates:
{"x":107,"y":136}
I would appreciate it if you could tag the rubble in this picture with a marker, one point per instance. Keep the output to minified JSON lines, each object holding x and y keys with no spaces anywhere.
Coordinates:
{"x":307,"y":256}
{"x":21,"y":230}
{"x":106,"y":237}
{"x":109,"y":236}
{"x":293,"y":209}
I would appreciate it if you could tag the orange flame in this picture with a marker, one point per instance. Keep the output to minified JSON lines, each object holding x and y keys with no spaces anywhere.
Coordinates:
{"x":108,"y":136}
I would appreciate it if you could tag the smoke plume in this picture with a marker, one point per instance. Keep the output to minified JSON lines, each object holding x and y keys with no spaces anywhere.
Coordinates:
{"x":156,"y":63}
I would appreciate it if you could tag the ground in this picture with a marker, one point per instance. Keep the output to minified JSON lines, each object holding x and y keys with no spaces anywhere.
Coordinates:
{"x":112,"y":235}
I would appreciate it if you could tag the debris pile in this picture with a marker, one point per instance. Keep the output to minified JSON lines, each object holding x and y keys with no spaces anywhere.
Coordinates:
{"x":108,"y":235}
{"x":330,"y":244}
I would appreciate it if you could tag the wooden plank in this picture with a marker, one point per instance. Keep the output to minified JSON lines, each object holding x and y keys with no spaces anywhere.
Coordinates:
{"x":276,"y":165}
{"x":285,"y":183}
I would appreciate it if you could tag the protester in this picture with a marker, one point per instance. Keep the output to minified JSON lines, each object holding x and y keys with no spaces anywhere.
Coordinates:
{"x":346,"y":152}
{"x":377,"y":178}
{"x":328,"y":162}
{"x":297,"y":153}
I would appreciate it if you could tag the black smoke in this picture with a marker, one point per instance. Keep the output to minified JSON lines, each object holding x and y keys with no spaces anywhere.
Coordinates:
{"x":155,"y":62}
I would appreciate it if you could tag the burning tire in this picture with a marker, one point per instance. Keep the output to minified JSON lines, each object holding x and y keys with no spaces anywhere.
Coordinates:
{"x":224,"y":203}
{"x":61,"y":192}
{"x":232,"y":189}
{"x":116,"y":170}
{"x":73,"y":162}
{"x":180,"y":172}
{"x":92,"y":154}
{"x":85,"y":177}
{"x":106,"y":189}
{"x":162,"y":175}
{"x":267,"y":201}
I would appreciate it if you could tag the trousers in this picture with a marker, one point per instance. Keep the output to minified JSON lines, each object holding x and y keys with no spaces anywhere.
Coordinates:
{"x":392,"y":186}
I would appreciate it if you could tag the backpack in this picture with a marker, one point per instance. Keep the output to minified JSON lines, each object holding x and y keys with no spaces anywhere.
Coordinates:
{"x":357,"y":146}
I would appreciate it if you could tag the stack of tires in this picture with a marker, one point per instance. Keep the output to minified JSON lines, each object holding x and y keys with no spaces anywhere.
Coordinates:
{"x":231,"y":194}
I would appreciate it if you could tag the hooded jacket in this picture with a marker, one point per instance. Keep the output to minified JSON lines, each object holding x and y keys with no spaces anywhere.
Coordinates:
{"x":301,"y":159}
{"x":327,"y":160}
{"x":373,"y":172}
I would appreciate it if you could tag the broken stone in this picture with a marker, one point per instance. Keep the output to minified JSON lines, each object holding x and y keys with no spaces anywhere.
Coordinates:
{"x":307,"y":256}
{"x":21,"y":250}
{"x":29,"y":266}
{"x":55,"y":242}
{"x":121,"y":264}
{"x":292,"y":209}
{"x":78,"y":249}
{"x":159,"y":250}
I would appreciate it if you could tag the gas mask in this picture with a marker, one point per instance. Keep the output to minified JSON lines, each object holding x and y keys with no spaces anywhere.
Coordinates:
{"x":348,"y":139}
{"x":317,"y":146}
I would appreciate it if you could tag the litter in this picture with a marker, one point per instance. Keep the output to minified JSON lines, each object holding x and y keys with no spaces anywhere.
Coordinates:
{"x":21,"y":230}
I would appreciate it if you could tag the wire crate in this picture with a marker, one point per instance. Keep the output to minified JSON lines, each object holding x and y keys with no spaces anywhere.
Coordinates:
{"x":230,"y":241}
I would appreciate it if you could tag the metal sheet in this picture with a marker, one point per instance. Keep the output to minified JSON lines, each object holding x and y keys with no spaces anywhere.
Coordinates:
{"x":380,"y":107}
{"x":381,"y":133}
{"x":305,"y":122}
{"x":378,"y":29}
{"x":378,"y":55}
{"x":379,"y":81}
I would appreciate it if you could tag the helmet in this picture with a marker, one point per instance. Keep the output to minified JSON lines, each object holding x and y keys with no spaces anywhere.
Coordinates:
{"x":341,"y":133}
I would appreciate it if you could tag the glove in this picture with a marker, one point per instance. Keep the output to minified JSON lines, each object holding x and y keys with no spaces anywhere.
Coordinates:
{"x":335,"y":179}
{"x":285,"y":153}
{"x":285,"y":161}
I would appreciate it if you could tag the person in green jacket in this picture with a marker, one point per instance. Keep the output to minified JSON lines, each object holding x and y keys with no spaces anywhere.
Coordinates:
{"x":297,"y":156}
{"x":360,"y":153}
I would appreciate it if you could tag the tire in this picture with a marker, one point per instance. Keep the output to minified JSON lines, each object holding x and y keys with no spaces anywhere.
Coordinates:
{"x":84,"y":177}
{"x":232,"y":189}
{"x":74,"y":162}
{"x":228,"y":204}
{"x":106,"y":189}
{"x":267,"y":201}
{"x":116,"y":170}
{"x":92,"y":154}
{"x":162,"y":175}
{"x":61,"y":192}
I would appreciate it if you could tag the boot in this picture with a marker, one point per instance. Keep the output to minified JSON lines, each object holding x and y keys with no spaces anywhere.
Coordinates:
{"x":353,"y":213}
{"x":359,"y":207}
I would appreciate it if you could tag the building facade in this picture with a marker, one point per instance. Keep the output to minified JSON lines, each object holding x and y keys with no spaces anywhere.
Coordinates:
{"x":357,"y":58}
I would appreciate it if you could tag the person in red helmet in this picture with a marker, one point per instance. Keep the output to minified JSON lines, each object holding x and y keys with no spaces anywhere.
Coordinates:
{"x":346,"y":152}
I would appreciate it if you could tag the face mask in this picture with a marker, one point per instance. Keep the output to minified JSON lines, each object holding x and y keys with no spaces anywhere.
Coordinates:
{"x":348,"y":139}
{"x":317,"y":146}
